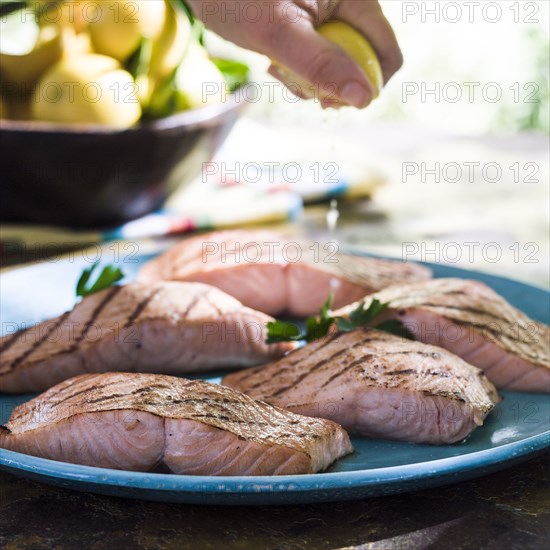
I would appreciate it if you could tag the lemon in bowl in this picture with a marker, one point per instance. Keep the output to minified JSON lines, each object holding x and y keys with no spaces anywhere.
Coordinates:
{"x":119,"y":26}
{"x":88,"y":89}
{"x":103,"y":121}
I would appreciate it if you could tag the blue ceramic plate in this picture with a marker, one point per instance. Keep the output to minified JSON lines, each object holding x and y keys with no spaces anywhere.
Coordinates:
{"x":517,"y":429}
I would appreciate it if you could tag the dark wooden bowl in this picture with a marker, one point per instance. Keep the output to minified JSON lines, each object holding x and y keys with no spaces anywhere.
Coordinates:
{"x":92,"y":176}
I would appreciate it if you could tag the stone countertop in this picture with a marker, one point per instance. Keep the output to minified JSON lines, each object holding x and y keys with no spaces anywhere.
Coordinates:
{"x":509,"y":509}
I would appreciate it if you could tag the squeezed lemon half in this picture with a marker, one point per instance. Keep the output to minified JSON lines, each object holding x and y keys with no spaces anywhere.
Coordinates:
{"x":355,"y":45}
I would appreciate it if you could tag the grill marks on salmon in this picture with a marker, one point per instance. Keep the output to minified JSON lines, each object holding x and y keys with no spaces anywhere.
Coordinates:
{"x":146,"y":422}
{"x":471,"y":320}
{"x":165,"y":327}
{"x":378,"y":385}
{"x":276,"y":274}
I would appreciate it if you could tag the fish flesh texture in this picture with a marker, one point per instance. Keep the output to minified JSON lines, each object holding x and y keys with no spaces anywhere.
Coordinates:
{"x":471,"y":320}
{"x":148,"y":422}
{"x":165,"y":327}
{"x":276,"y":274}
{"x":378,"y":385}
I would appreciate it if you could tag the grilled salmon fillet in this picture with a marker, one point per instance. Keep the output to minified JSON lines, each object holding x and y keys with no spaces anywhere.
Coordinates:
{"x":276,"y":274}
{"x":166,"y":327}
{"x":148,"y":422}
{"x":378,"y":385}
{"x":471,"y":320}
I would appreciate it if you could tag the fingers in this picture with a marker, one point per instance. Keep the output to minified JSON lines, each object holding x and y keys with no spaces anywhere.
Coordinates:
{"x":319,"y":11}
{"x":294,"y":87}
{"x":336,"y":78}
{"x":297,"y":89}
{"x":289,"y":38}
{"x":367,"y":17}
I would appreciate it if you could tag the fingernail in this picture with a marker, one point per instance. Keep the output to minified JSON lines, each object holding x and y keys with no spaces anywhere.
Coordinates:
{"x":355,"y":94}
{"x":331,"y":104}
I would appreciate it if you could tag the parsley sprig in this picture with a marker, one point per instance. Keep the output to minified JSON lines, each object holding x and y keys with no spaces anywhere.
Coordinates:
{"x":109,"y":276}
{"x":317,"y":327}
{"x":359,"y":317}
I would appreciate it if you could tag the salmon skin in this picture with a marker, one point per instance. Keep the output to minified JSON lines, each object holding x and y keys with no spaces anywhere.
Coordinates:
{"x":276,"y":274}
{"x":146,"y":422}
{"x":377,"y":385}
{"x":471,"y":320}
{"x":166,"y":327}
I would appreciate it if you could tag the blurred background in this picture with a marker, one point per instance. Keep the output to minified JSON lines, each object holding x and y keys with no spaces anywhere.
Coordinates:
{"x":459,"y":137}
{"x":493,"y":62}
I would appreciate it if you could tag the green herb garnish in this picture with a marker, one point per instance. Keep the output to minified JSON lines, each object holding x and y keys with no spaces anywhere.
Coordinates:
{"x":396,"y":327}
{"x":317,"y":327}
{"x":360,"y":316}
{"x":280,"y":331}
{"x":107,"y":278}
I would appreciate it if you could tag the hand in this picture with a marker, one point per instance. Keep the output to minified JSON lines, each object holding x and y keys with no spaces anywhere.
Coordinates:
{"x":284,"y":30}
